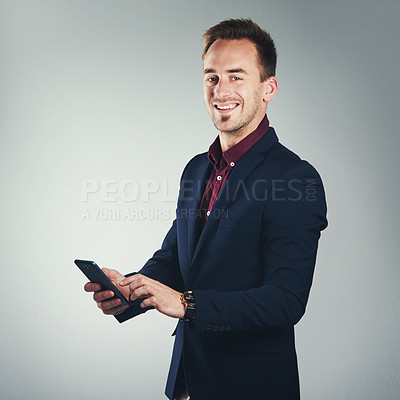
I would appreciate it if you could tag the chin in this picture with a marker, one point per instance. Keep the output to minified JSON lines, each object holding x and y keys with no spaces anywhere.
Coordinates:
{"x":227,"y":127}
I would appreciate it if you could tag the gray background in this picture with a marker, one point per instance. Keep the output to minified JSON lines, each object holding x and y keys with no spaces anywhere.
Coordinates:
{"x":111,"y":91}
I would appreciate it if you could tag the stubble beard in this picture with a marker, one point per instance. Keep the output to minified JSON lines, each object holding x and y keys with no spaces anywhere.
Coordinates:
{"x":236,"y":126}
{"x":243,"y":120}
{"x":231,"y":130}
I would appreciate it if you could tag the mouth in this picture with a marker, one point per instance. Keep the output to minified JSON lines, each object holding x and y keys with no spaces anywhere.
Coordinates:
{"x":226,"y":108}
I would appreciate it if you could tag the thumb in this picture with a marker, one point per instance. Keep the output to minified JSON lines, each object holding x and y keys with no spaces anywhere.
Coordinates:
{"x":128,"y":280}
{"x":112,"y":274}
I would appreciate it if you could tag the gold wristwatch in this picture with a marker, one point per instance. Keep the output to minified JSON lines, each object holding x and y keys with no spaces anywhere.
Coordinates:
{"x":187,"y":299}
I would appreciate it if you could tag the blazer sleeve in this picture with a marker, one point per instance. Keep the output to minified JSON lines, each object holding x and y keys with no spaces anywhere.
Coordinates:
{"x":291,"y":226}
{"x":163,"y":267}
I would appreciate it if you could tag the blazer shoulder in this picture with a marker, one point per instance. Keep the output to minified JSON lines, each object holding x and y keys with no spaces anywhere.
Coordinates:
{"x":300,"y":190}
{"x":199,"y":160}
{"x":286,"y":162}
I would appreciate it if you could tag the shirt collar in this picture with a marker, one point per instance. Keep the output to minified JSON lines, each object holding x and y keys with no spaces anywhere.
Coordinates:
{"x":236,"y":152}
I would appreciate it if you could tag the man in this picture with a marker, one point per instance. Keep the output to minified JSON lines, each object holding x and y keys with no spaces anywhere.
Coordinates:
{"x":236,"y":266}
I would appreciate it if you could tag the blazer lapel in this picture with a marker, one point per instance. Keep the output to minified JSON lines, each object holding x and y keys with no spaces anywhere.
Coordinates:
{"x":234,"y":183}
{"x":199,"y":186}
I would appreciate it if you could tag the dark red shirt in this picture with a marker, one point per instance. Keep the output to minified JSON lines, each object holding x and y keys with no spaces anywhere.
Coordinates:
{"x":224,"y":162}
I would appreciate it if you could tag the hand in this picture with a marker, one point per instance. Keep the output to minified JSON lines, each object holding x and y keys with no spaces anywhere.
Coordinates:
{"x":101,"y":297}
{"x":164,"y":299}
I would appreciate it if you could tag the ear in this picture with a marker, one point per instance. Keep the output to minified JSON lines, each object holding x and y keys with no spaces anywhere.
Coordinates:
{"x":271,"y":88}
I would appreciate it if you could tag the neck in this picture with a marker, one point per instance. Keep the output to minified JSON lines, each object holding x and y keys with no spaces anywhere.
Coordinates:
{"x":230,"y":139}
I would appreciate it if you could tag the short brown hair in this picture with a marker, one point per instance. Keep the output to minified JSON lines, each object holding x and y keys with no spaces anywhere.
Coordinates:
{"x":245,"y":29}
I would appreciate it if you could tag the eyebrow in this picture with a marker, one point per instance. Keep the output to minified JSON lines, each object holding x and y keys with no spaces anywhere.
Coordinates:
{"x":230,"y":71}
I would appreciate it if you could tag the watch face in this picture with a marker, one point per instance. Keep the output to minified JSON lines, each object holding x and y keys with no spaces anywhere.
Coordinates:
{"x":189,"y":299}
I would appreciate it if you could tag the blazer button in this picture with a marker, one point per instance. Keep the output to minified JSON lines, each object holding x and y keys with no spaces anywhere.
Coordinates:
{"x":209,"y":327}
{"x":228,"y":328}
{"x":216,"y":328}
{"x":222,"y":328}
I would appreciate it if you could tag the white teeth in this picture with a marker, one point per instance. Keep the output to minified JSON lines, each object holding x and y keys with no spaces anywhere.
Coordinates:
{"x":229,"y":107}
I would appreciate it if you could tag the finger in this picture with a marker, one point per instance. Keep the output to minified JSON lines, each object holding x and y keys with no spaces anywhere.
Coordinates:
{"x":107,"y":305}
{"x":103,"y":295}
{"x":138,"y":278}
{"x":92,"y":287}
{"x":142,"y":291}
{"x":115,"y":310}
{"x":109,"y":271}
{"x":148,"y":302}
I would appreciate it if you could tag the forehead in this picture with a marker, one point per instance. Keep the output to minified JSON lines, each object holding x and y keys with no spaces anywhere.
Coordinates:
{"x":231,"y":54}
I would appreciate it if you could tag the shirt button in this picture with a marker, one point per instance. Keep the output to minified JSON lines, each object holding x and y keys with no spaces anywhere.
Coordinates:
{"x":219,"y":177}
{"x":232,"y":164}
{"x":208,"y":213}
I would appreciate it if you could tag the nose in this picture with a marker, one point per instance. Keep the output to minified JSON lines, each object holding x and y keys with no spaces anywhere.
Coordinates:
{"x":222,"y":88}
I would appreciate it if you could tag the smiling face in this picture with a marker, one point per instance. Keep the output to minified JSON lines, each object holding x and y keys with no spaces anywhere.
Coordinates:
{"x":235,"y":97}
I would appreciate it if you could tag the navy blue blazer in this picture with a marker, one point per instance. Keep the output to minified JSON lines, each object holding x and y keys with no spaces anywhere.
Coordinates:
{"x":250,"y":269}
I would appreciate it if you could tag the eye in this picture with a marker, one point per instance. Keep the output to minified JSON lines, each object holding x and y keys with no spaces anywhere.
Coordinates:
{"x":210,"y":80}
{"x":235,"y":78}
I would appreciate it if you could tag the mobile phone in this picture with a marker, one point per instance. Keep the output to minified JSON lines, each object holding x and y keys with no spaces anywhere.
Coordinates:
{"x":94,"y":273}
